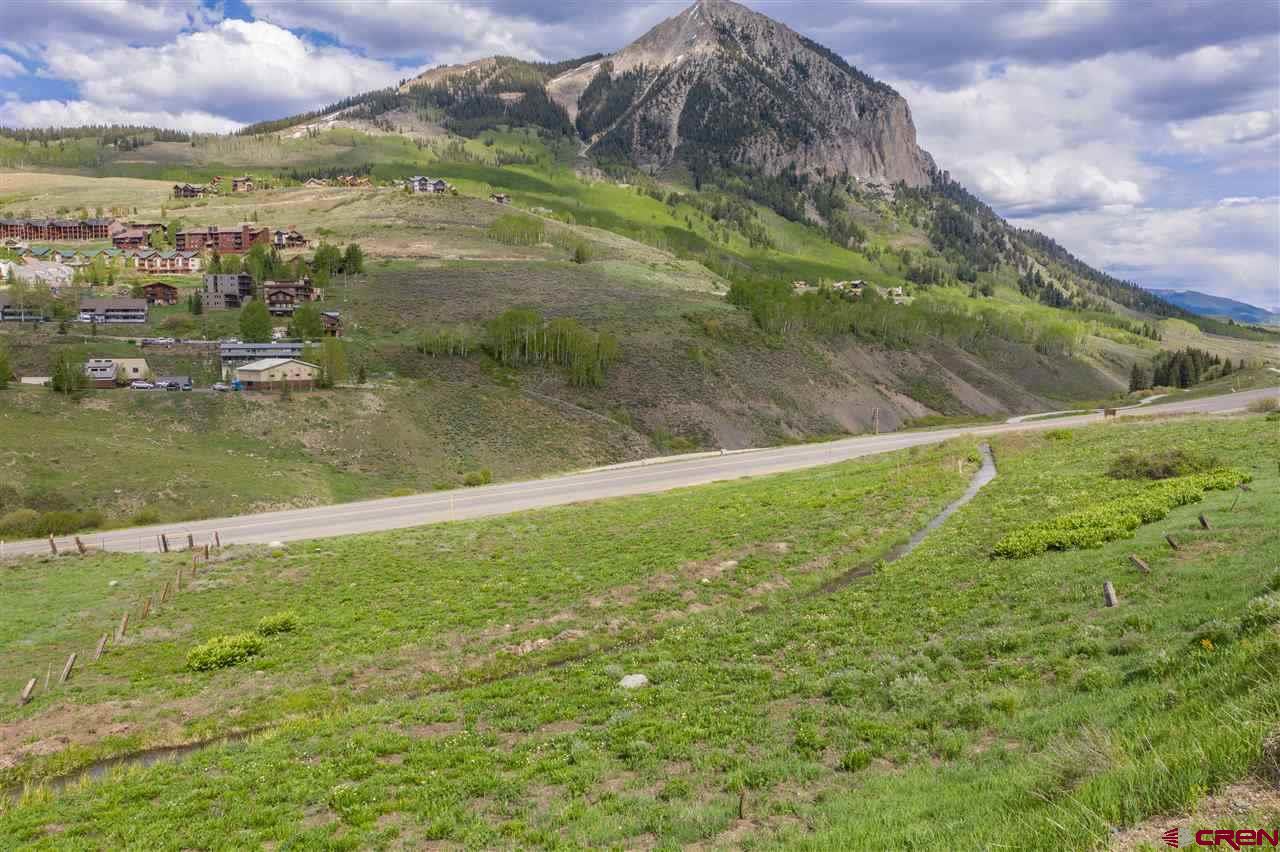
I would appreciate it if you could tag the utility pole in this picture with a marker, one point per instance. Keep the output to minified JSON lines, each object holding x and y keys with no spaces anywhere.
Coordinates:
{"x":875,"y":420}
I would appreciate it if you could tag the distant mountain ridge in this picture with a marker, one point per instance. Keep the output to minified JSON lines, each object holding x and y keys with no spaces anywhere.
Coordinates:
{"x":1208,"y":305}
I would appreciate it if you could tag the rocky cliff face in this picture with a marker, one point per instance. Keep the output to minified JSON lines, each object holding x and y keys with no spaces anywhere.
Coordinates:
{"x":720,"y":80}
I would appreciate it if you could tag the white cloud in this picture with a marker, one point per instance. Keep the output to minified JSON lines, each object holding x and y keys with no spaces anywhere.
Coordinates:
{"x":55,"y":113}
{"x":450,"y":31}
{"x":10,"y":67}
{"x":241,"y":69}
{"x":1213,"y":132}
{"x":1228,"y":247}
{"x":1035,"y":138}
{"x":28,"y":26}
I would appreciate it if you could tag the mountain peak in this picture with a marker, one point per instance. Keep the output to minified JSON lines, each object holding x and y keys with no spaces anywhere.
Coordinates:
{"x":720,"y":78}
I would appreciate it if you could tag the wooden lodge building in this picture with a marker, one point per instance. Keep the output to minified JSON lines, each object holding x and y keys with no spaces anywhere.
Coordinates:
{"x":55,"y":230}
{"x":190,"y":190}
{"x":235,"y":240}
{"x":283,"y":297}
{"x":160,"y":293}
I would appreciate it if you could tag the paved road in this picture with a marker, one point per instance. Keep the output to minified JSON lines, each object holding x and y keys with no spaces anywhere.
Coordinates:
{"x":618,"y":480}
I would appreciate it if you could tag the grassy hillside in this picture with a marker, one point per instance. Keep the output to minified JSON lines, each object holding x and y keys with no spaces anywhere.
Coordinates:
{"x":694,"y":370}
{"x":138,"y":457}
{"x":458,"y":684}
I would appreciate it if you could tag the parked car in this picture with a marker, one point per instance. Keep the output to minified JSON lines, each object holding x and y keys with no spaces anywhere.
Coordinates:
{"x":139,"y":384}
{"x":221,"y":387}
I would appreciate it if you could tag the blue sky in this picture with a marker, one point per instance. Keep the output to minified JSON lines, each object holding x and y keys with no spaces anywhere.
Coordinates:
{"x":1143,"y":136}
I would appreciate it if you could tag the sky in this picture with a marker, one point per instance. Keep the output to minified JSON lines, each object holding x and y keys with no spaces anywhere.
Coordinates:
{"x":1143,"y":136}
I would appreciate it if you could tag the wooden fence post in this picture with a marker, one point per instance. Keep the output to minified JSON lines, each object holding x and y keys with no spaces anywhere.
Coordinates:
{"x":124,"y":627}
{"x":52,"y":545}
{"x":164,"y":593}
{"x":102,"y":644}
{"x":177,"y":581}
{"x":146,"y":607}
{"x":66,"y":670}
{"x":1172,"y":543}
{"x":206,"y":553}
{"x":1139,"y":564}
{"x":164,"y":543}
{"x":217,"y":540}
{"x":1204,"y":522}
{"x":80,"y":546}
{"x":191,"y":542}
{"x":1109,"y":594}
{"x":26,"y":691}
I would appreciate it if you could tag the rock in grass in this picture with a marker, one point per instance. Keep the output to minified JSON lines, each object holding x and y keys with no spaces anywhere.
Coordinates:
{"x":633,"y":681}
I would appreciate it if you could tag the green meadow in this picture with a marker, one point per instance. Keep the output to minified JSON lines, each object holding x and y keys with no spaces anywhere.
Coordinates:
{"x":458,"y":685}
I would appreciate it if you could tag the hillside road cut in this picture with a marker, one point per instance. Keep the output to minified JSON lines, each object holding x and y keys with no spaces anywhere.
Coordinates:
{"x":642,"y":477}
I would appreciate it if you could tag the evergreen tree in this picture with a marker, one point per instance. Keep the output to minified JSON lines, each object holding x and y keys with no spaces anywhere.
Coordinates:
{"x":1139,"y":378}
{"x":5,"y":370}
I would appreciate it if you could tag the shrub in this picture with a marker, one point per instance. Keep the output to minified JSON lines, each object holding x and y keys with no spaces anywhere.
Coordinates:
{"x":65,"y":523}
{"x":1097,"y":525}
{"x":581,"y":253}
{"x":1058,"y":435}
{"x":19,"y":522}
{"x":222,"y":651}
{"x":855,"y":759}
{"x":1004,"y":701}
{"x":477,"y":477}
{"x":143,"y":517}
{"x":808,"y":741}
{"x":1096,"y":679}
{"x":281,"y":622}
{"x":1213,"y":632}
{"x":1261,"y":612}
{"x":676,"y":788}
{"x":1265,"y":405}
{"x":1159,"y":464}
